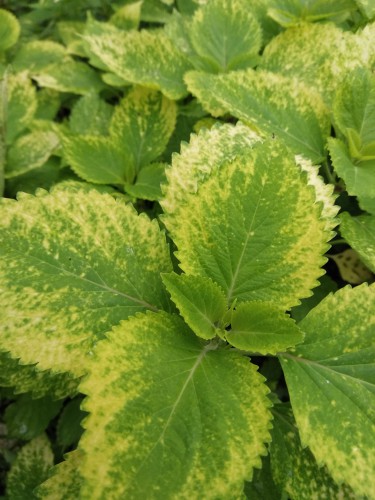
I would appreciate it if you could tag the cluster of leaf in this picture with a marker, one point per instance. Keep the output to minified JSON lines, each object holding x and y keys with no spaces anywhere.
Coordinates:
{"x":174,"y":174}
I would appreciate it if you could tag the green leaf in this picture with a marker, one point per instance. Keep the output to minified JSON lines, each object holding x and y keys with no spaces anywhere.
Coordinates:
{"x":262,"y":327}
{"x":127,"y":17}
{"x":148,"y":182}
{"x":142,"y":125}
{"x":27,"y":378}
{"x":29,"y":469}
{"x":37,"y":55}
{"x":367,"y":8}
{"x":64,"y":479}
{"x":97,"y":159}
{"x":262,"y":487}
{"x":29,"y":152}
{"x":359,"y":177}
{"x":225,"y":35}
{"x":49,"y":103}
{"x":72,"y":76}
{"x":74,"y":263}
{"x":359,"y":232}
{"x":294,"y":468}
{"x":179,"y":411}
{"x":9,"y":30}
{"x":330,"y":378}
{"x":69,"y":428}
{"x":70,"y":32}
{"x":326,"y":285}
{"x":354,"y":110}
{"x":272,"y":104}
{"x":27,"y":418}
{"x":200,"y":301}
{"x":305,"y":53}
{"x":291,"y":12}
{"x":19,"y":102}
{"x":229,"y":230}
{"x":91,"y":115}
{"x":147,"y":58}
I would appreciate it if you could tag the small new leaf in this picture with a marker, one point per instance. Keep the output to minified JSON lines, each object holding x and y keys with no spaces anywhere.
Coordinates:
{"x":200,"y":301}
{"x":261,"y":327}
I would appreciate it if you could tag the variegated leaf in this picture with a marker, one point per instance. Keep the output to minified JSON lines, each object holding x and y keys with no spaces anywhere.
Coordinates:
{"x":167,"y":412}
{"x":272,"y":104}
{"x":230,"y":232}
{"x":74,"y":263}
{"x":359,"y":232}
{"x":37,"y":55}
{"x":330,"y":378}
{"x":291,"y":12}
{"x":9,"y":30}
{"x":91,"y":115}
{"x":64,"y":479}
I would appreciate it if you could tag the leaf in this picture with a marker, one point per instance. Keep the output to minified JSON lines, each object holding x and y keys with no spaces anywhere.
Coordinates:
{"x":73,"y":76}
{"x":359,"y":232}
{"x":263,"y":328}
{"x":230,"y":231}
{"x":359,"y":178}
{"x":142,"y":125}
{"x":37,"y":55}
{"x":354,"y":108}
{"x":330,"y":378}
{"x":305,"y":53}
{"x":27,"y":418}
{"x":91,"y":115}
{"x":146,"y":58}
{"x":148,"y":182}
{"x":9,"y":30}
{"x":69,"y":428}
{"x":366,"y":7}
{"x":74,"y":263}
{"x":21,"y":103}
{"x":64,"y":479}
{"x":97,"y":159}
{"x":179,"y":411}
{"x":270,"y":103}
{"x":351,"y":267}
{"x":205,"y":153}
{"x":29,"y":152}
{"x":29,"y":469}
{"x":49,"y":103}
{"x":128,"y":16}
{"x":200,"y":301}
{"x":27,"y":378}
{"x":326,"y":285}
{"x":262,"y":487}
{"x":291,"y":12}
{"x":294,"y":468}
{"x":225,"y":35}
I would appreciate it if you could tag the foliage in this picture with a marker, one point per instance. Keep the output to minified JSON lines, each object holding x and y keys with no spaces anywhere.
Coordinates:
{"x":189,"y":196}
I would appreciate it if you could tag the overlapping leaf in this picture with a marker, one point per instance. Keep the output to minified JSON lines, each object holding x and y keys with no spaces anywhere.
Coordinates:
{"x":74,"y":263}
{"x":294,"y":468}
{"x":37,"y":55}
{"x":270,"y":103}
{"x":9,"y":29}
{"x":292,"y":12}
{"x":147,"y":58}
{"x":167,"y":412}
{"x":230,"y":232}
{"x":359,"y":232}
{"x":64,"y":480}
{"x":330,"y":378}
{"x":91,"y":115}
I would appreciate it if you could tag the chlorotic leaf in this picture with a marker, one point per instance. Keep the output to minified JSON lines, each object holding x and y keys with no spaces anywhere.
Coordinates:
{"x":91,"y":115}
{"x":97,"y":159}
{"x":167,"y":411}
{"x":9,"y":30}
{"x":147,"y":58}
{"x":29,"y":469}
{"x":21,"y":103}
{"x":351,"y":268}
{"x":30,"y":151}
{"x":64,"y":479}
{"x":73,"y":76}
{"x":200,"y":301}
{"x":358,"y":177}
{"x":272,"y":104}
{"x":359,"y":232}
{"x":263,"y":328}
{"x":74,"y":263}
{"x":26,"y":418}
{"x":305,"y":52}
{"x":330,"y":378}
{"x":142,"y":125}
{"x":291,"y":12}
{"x":37,"y":55}
{"x":294,"y":468}
{"x":230,"y":232}
{"x":148,"y":182}
{"x":226,"y":35}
